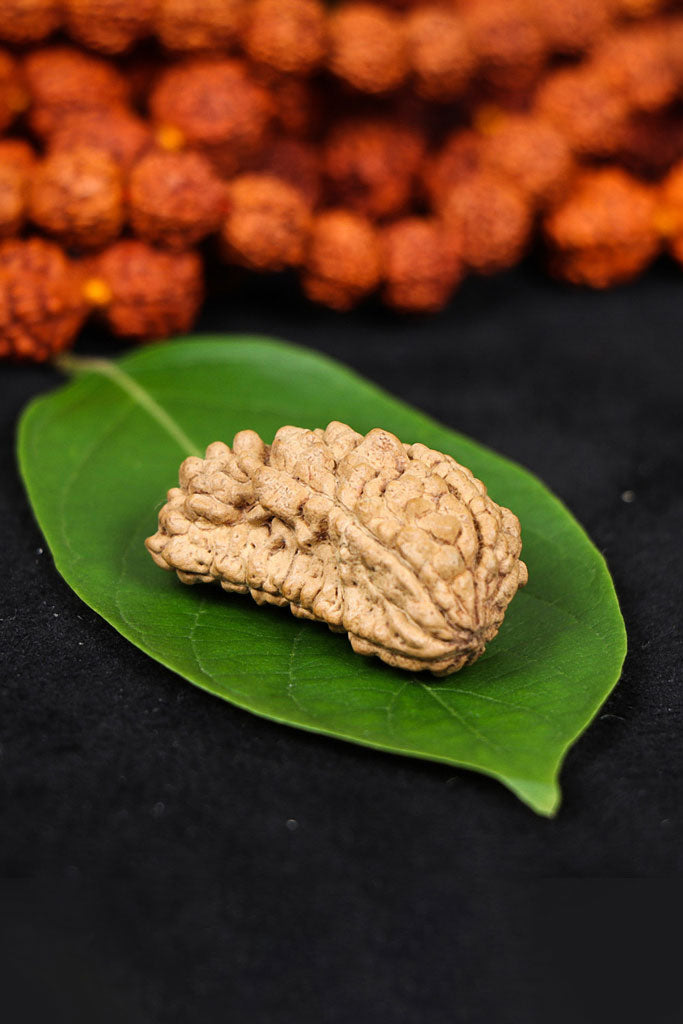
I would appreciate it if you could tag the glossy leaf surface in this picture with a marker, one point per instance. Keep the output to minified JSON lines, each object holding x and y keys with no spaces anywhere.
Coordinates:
{"x":98,"y":456}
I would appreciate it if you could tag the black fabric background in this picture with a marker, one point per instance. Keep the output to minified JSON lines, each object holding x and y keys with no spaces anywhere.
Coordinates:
{"x":149,"y":871}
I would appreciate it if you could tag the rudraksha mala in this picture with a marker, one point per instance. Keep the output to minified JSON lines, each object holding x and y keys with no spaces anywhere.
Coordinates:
{"x":387,"y":147}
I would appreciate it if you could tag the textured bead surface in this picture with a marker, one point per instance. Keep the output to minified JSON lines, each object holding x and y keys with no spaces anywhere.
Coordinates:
{"x":395,"y":544}
{"x":41,"y":304}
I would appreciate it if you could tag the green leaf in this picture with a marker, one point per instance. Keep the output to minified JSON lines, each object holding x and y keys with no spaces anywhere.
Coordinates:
{"x":98,"y":455}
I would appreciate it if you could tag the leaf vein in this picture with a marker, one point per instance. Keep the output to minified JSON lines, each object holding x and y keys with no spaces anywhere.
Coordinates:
{"x":461,"y":718}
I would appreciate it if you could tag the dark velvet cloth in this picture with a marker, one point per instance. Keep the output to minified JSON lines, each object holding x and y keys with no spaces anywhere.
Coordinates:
{"x":167,"y":858}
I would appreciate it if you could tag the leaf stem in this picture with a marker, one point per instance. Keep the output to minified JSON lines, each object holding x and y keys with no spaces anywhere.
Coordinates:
{"x":71,"y":364}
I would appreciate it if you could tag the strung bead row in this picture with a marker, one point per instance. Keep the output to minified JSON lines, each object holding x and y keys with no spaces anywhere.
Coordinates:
{"x":400,"y":193}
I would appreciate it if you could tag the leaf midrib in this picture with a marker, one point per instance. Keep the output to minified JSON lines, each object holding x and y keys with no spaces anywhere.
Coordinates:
{"x":137,"y":394}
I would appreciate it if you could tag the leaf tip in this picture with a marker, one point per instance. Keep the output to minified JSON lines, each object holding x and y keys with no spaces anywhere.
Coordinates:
{"x":542,"y":797}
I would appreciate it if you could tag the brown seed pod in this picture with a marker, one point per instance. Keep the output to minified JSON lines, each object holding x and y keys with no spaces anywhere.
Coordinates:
{"x":28,"y":21}
{"x":529,"y":153}
{"x":493,"y":220}
{"x":296,"y":162}
{"x":13,"y":95}
{"x":110,"y":26}
{"x":634,"y":62}
{"x":673,"y":45}
{"x":461,"y":155}
{"x":572,"y":26}
{"x":603,"y":233}
{"x":188,"y":26}
{"x":649,"y":144}
{"x":143,"y":292}
{"x":299,"y":106}
{"x":408,"y":5}
{"x":12,"y":199}
{"x":120,"y":133}
{"x":41,"y":301}
{"x":638,"y":9}
{"x":367,"y":47}
{"x":17,"y":152}
{"x":506,"y":42}
{"x":371,"y":164}
{"x":669,"y":215}
{"x":440,"y":55}
{"x":77,"y":196}
{"x":585,"y":107}
{"x":343,"y":261}
{"x":214,"y":104}
{"x":421,"y":263}
{"x":62,"y":80}
{"x":267,"y":223}
{"x":288,"y":35}
{"x":175,"y":199}
{"x":16,"y":163}
{"x":395,"y":544}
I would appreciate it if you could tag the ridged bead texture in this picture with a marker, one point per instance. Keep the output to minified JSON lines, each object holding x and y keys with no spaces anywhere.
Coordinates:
{"x":395,"y":544}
